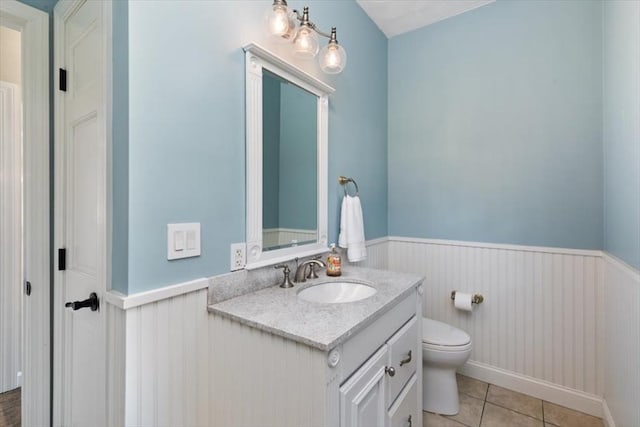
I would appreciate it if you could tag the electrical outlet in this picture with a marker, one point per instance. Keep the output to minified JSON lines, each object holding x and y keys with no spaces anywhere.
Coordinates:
{"x":237,"y":256}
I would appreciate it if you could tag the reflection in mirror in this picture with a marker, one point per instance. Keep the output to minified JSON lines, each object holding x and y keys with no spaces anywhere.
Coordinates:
{"x":289,"y":137}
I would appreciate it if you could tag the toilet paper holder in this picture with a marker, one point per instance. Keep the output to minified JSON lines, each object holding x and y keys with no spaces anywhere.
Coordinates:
{"x":476,"y":299}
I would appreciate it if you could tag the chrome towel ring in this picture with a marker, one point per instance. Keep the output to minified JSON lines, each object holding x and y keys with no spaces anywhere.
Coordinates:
{"x":344,"y":181}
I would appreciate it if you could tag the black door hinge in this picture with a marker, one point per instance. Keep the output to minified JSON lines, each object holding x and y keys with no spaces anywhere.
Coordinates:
{"x":63,"y":79}
{"x":62,"y":259}
{"x":27,"y":288}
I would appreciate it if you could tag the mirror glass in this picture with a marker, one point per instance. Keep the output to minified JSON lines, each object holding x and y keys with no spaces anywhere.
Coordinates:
{"x":289,"y":164}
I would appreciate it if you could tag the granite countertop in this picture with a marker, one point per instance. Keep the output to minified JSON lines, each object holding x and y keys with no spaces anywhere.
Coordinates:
{"x":319,"y":325}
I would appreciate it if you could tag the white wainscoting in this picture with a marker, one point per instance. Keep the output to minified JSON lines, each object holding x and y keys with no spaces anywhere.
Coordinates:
{"x":377,"y":254}
{"x":167,"y":362}
{"x":540,"y":329}
{"x":116,"y":358}
{"x":540,"y":326}
{"x":621,"y":343}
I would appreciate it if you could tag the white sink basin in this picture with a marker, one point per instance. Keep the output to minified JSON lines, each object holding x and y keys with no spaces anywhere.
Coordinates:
{"x":337,"y":292}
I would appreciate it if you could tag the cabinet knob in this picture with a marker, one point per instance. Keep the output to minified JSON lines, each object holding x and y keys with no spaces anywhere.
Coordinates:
{"x":390,"y":370}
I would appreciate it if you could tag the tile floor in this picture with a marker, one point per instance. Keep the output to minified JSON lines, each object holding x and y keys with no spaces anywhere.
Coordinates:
{"x":10,"y":408}
{"x":487,"y":405}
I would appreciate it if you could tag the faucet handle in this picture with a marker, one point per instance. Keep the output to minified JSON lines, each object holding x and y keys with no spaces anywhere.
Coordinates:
{"x":285,"y":267}
{"x":286,"y":281}
{"x":312,"y":273}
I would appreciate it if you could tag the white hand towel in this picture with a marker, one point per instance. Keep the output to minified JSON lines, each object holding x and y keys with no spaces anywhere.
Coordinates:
{"x":352,"y":229}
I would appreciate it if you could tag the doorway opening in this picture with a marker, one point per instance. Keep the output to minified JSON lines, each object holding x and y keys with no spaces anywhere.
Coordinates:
{"x":11,"y":226}
{"x":25,"y":257}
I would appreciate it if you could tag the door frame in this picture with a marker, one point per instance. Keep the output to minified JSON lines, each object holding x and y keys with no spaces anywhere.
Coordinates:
{"x":62,"y":10}
{"x":36,"y":380}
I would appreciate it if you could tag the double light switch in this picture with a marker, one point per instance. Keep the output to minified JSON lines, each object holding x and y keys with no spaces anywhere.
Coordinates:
{"x":183,"y":240}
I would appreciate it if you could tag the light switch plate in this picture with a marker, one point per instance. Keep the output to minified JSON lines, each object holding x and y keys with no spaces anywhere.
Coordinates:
{"x":183,"y":240}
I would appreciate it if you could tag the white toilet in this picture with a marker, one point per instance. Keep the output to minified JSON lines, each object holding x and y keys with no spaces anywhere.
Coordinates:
{"x":444,"y":349}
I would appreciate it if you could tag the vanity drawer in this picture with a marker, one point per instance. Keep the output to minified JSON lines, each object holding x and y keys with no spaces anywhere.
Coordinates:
{"x":403,"y":356}
{"x":405,"y":412}
{"x":361,"y":346}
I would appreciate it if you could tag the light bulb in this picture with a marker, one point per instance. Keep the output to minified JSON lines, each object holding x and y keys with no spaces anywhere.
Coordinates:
{"x":305,"y":44}
{"x":278,"y":21}
{"x":333,"y":58}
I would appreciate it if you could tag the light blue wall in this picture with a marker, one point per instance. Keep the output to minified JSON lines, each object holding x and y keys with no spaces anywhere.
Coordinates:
{"x":120,"y":147}
{"x":621,"y":130}
{"x":186,"y":127}
{"x":495,"y":126}
{"x":298,"y":159}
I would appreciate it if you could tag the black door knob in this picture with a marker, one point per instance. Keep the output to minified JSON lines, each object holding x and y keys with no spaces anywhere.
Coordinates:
{"x":92,"y":302}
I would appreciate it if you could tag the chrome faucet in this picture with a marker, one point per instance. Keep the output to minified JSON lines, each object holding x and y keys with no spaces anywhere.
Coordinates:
{"x":301,"y":272}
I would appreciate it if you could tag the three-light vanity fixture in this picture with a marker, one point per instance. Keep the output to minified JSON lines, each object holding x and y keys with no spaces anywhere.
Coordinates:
{"x":283,"y":26}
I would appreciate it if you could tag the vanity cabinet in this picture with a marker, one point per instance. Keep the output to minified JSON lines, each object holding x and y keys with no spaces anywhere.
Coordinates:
{"x":263,"y":379}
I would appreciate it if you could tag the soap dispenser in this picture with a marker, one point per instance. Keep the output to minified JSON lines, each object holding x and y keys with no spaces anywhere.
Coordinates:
{"x":334,"y":262}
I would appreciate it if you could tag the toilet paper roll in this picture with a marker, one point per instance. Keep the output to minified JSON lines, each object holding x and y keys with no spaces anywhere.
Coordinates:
{"x":462,"y":301}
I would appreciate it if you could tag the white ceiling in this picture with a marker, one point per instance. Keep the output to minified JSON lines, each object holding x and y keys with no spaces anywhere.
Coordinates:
{"x":395,"y":17}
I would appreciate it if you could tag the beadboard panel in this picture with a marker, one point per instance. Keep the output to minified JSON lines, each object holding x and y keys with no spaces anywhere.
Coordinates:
{"x":541,"y":316}
{"x":115,"y":320}
{"x":622,"y":341}
{"x":167,"y":362}
{"x":377,"y":255}
{"x":269,"y":362}
{"x":183,"y":368}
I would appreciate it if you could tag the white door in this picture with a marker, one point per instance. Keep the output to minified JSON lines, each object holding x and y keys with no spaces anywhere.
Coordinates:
{"x":363,"y":396}
{"x":80,"y":215}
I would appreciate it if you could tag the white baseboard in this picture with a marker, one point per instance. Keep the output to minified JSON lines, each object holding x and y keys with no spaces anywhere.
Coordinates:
{"x":563,"y":396}
{"x":607,"y":418}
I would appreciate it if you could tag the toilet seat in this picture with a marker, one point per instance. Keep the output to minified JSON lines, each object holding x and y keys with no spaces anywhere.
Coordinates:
{"x":443,"y":337}
{"x":445,"y":348}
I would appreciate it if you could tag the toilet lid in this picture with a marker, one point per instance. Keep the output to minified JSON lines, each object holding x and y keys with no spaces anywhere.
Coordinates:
{"x":438,"y":333}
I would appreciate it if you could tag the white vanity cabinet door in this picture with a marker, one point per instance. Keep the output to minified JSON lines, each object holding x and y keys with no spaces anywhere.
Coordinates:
{"x":405,"y":412}
{"x":403,"y":357}
{"x":363,"y":398}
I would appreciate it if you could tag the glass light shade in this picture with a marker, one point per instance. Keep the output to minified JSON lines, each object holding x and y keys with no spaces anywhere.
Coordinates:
{"x":333,"y":58}
{"x":281,"y":24}
{"x":305,"y":43}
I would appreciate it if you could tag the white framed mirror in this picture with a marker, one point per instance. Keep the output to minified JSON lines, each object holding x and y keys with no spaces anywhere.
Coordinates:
{"x":286,"y":160}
